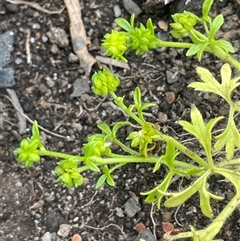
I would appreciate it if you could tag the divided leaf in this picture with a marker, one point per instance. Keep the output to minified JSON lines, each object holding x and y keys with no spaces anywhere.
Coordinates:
{"x":229,"y":138}
{"x":198,"y":128}
{"x":210,"y":84}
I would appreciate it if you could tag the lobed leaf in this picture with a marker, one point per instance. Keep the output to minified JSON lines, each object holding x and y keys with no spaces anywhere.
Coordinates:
{"x":210,"y":84}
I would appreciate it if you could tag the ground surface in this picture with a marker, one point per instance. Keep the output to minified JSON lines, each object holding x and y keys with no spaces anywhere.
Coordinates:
{"x":31,"y":202}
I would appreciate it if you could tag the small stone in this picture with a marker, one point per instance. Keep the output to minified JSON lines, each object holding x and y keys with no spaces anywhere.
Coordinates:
{"x":50,"y":82}
{"x":171,"y":77}
{"x":145,"y":235}
{"x":80,"y":86}
{"x":36,"y":26}
{"x":44,"y":38}
{"x":12,"y":8}
{"x":140,"y":227}
{"x":117,"y":11}
{"x":162,"y":117}
{"x":58,"y":36}
{"x":64,"y":230}
{"x":73,"y":58}
{"x":132,"y":7}
{"x":167,"y":216}
{"x":76,"y":237}
{"x":119,"y":212}
{"x":132,"y":206}
{"x":163,"y":25}
{"x":49,"y":237}
{"x":170,"y":97}
{"x":167,"y":227}
{"x":54,"y":49}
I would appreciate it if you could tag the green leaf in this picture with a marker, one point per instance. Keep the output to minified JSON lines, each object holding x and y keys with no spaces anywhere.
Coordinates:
{"x":157,"y":193}
{"x":158,"y":164}
{"x":101,"y":180}
{"x":195,"y":49}
{"x":205,"y":200}
{"x":109,"y":178}
{"x":35,"y":130}
{"x":137,"y":97}
{"x":200,"y":52}
{"x":210,"y":84}
{"x":147,"y":105}
{"x":216,"y":25}
{"x":92,"y":166}
{"x":198,"y":128}
{"x":150,"y":25}
{"x":110,"y":181}
{"x":123,"y":23}
{"x":232,"y":176}
{"x":225,"y":45}
{"x":119,"y":125}
{"x":132,"y":21}
{"x":229,"y":138}
{"x":170,"y":155}
{"x":105,"y":128}
{"x":180,"y":197}
{"x":206,"y":7}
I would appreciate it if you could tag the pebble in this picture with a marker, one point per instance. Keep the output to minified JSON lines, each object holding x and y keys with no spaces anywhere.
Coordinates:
{"x":117,"y":11}
{"x":44,"y":38}
{"x":119,"y":212}
{"x":49,"y":237}
{"x":80,"y":86}
{"x":132,"y":7}
{"x":145,"y":235}
{"x":6,"y":71}
{"x":50,"y":82}
{"x":13,"y":8}
{"x":73,"y":58}
{"x":64,"y":230}
{"x":171,"y":77}
{"x":58,"y":36}
{"x":132,"y":206}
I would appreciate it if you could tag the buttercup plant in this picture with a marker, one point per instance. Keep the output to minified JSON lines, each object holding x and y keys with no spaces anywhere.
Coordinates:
{"x":138,"y":145}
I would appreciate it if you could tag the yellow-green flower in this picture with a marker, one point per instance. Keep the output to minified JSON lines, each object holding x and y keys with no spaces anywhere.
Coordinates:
{"x":104,"y":81}
{"x":183,"y":24}
{"x":116,"y":44}
{"x":68,"y":173}
{"x":27,"y":152}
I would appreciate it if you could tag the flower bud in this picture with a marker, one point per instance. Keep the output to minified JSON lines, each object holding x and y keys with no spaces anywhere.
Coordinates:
{"x":104,"y":81}
{"x":116,"y":44}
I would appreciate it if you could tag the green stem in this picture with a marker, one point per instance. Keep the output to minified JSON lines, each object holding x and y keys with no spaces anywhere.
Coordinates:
{"x":183,"y":149}
{"x":125,"y":109}
{"x":217,"y":51}
{"x":126,"y":148}
{"x":138,"y":159}
{"x":58,"y":155}
{"x":220,"y":53}
{"x":232,"y":162}
{"x":169,"y":44}
{"x":213,"y":229}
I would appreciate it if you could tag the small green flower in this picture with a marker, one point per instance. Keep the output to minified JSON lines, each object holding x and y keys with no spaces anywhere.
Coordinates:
{"x":27,"y":152}
{"x":68,"y":173}
{"x":143,"y":38}
{"x":96,"y":146}
{"x":116,"y":44}
{"x":143,"y":138}
{"x":183,"y":24}
{"x":104,"y":81}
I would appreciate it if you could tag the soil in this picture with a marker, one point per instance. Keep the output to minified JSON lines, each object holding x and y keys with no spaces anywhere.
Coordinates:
{"x":33,"y":205}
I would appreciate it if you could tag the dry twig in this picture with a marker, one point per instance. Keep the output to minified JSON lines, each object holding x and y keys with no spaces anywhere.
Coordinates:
{"x":40,"y":127}
{"x":35,"y":5}
{"x":78,"y":35}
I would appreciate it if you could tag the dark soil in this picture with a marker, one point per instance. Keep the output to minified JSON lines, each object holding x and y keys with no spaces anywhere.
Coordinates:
{"x":32,"y":203}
